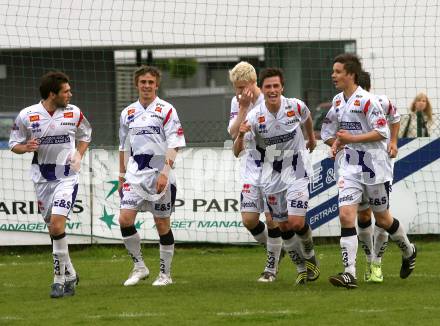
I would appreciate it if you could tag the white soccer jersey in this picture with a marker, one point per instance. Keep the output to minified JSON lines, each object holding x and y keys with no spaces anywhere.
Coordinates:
{"x":389,"y":109}
{"x":251,"y":161}
{"x":361,"y":113}
{"x":286,"y":158}
{"x":148,"y":133}
{"x":56,"y":135}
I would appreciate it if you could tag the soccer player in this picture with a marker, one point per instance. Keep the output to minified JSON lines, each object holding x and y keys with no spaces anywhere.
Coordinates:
{"x":357,"y":123}
{"x":374,"y":241}
{"x":49,"y":129}
{"x":248,"y":96}
{"x":275,"y":125}
{"x":150,"y":135}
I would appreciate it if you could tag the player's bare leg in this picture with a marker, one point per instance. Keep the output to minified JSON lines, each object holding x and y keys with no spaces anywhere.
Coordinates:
{"x":166,"y":250}
{"x":132,"y":242}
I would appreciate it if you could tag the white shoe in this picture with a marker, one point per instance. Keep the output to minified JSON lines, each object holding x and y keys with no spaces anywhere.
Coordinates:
{"x":163,"y":280}
{"x":136,"y":275}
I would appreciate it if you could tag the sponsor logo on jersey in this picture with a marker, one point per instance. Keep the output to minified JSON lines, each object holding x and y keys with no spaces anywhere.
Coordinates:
{"x":15,"y":127}
{"x":35,"y":125}
{"x":356,"y":111}
{"x":248,"y":204}
{"x":345,"y":198}
{"x":180,"y":131}
{"x":357,"y":103}
{"x":292,"y":121}
{"x":68,"y":115}
{"x":288,"y":107}
{"x":351,"y":125}
{"x":148,"y":130}
{"x":156,"y":116}
{"x":358,"y":96}
{"x":50,"y":140}
{"x":34,"y":118}
{"x":246,"y":188}
{"x":381,"y":122}
{"x":326,"y":120}
{"x":68,"y":124}
{"x":272,"y":200}
{"x":279,"y":139}
{"x":158,"y":109}
{"x":290,"y":113}
{"x":126,"y":187}
{"x":232,"y":116}
{"x":261,"y":119}
{"x":131,"y":111}
{"x":262,"y":128}
{"x":338,"y":102}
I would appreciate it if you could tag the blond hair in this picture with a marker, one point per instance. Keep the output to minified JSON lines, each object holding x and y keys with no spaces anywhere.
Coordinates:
{"x":428,"y":109}
{"x":243,"y":71}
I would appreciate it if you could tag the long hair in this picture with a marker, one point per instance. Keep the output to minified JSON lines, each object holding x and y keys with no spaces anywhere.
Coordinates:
{"x":428,"y":109}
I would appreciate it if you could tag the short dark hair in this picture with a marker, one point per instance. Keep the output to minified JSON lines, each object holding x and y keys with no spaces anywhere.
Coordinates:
{"x":52,"y":82}
{"x":352,"y":64}
{"x":271,"y":72}
{"x":142,"y":70}
{"x":365,"y":80}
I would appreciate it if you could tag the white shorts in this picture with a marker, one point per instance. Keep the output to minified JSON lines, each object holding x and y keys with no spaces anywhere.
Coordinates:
{"x":353,"y":192}
{"x":252,"y":199}
{"x":56,"y":197}
{"x":292,"y":201}
{"x":160,"y":208}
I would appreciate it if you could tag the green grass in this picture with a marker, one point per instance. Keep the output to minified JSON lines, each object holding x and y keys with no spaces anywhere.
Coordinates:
{"x":215,"y":286}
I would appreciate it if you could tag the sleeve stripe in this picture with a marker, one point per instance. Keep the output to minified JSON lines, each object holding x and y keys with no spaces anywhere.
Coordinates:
{"x":81,"y":117}
{"x":299,"y":108}
{"x":167,"y":117}
{"x":390,"y":108}
{"x":366,"y":107}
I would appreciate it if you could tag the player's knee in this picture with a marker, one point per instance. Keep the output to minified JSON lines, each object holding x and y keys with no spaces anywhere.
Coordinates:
{"x":250,"y":221}
{"x":284,"y":226}
{"x":364,"y":216}
{"x":347,"y":219}
{"x":126,"y":219}
{"x":162,"y":225}
{"x":297,"y":223}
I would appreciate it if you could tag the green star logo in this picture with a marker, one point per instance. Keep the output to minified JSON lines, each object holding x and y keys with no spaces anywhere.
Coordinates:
{"x":138,"y":224}
{"x":115,"y":184}
{"x":108,"y":219}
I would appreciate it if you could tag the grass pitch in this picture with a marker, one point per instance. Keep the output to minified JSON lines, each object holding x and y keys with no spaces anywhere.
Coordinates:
{"x":215,"y":286}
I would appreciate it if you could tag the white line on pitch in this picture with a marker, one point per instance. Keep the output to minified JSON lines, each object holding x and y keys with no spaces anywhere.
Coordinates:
{"x":260,"y":312}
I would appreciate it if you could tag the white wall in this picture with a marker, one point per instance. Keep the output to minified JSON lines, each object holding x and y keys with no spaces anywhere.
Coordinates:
{"x":398,"y":40}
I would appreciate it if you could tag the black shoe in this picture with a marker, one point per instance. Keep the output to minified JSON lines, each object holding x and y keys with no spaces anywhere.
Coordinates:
{"x":57,"y":290}
{"x":69,"y":286}
{"x":408,"y":264}
{"x":313,"y":271}
{"x":345,"y":280}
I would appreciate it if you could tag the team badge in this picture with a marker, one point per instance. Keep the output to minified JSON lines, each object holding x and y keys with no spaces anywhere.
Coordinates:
{"x":246,"y":188}
{"x":338,"y":102}
{"x":68,"y":114}
{"x":381,"y":122}
{"x":131,"y":111}
{"x":290,"y":113}
{"x":261,"y":119}
{"x":158,"y":109}
{"x":357,"y":103}
{"x":180,"y":131}
{"x":34,"y":118}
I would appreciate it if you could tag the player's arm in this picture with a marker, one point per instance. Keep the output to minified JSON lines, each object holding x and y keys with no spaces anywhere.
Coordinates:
{"x":124,"y":153}
{"x":175,"y":139}
{"x":162,"y":180}
{"x":18,"y":139}
{"x":239,"y":140}
{"x":308,"y":126}
{"x":244,"y":101}
{"x":392,"y":147}
{"x":344,"y":137}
